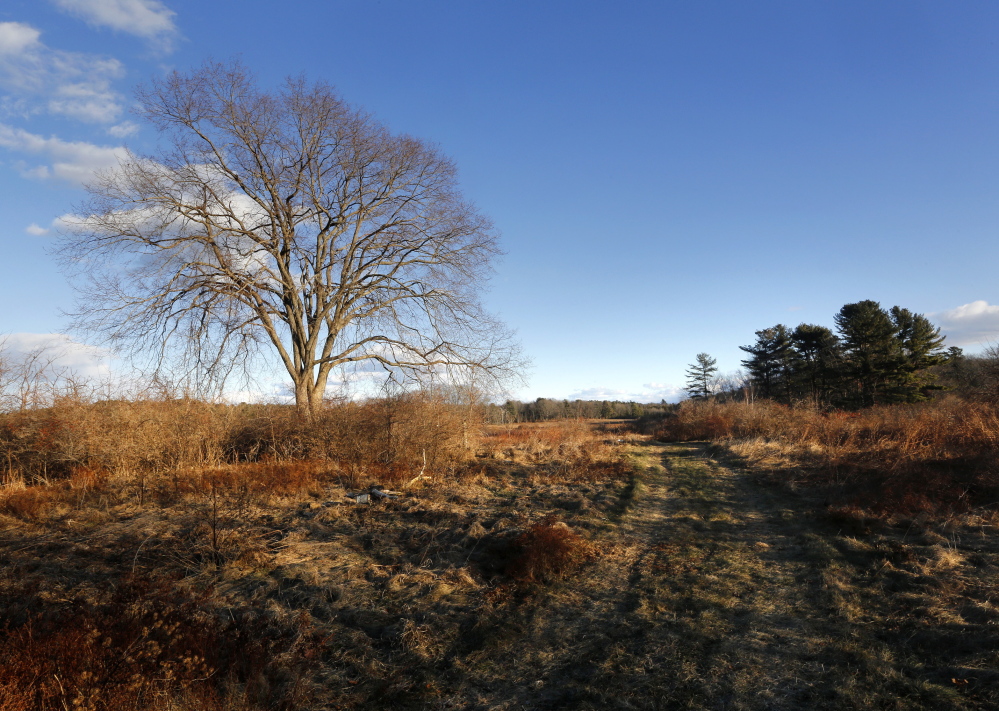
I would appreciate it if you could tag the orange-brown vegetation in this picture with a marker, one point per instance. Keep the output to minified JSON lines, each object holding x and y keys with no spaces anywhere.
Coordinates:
{"x":547,"y":550}
{"x":147,"y":644}
{"x":561,"y":450}
{"x":935,"y":458}
{"x":218,"y":563}
{"x":380,"y":438}
{"x":564,"y":564}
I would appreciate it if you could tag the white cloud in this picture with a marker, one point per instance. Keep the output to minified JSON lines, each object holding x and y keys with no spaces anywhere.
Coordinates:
{"x":73,"y":161}
{"x":35,"y":230}
{"x":149,"y":19}
{"x":39,"y":172}
{"x":649,"y":392}
{"x":976,"y":323}
{"x":65,"y":83}
{"x":91,"y":102}
{"x":59,"y":351}
{"x":17,"y":37}
{"x":123,"y":129}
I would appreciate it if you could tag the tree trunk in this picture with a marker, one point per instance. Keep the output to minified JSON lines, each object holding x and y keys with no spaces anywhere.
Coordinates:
{"x":309,"y":395}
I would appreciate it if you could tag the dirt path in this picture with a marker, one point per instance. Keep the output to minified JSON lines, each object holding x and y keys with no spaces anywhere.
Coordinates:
{"x":718,"y":593}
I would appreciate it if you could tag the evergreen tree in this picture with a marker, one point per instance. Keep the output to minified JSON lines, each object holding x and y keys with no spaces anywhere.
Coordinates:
{"x":816,"y":361}
{"x":699,"y":375}
{"x":871,"y":349}
{"x":873,"y":352}
{"x":770,"y":364}
{"x":889,"y":354}
{"x":920,"y":348}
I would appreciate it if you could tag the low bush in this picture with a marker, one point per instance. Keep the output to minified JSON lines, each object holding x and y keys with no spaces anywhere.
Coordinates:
{"x":547,"y":551}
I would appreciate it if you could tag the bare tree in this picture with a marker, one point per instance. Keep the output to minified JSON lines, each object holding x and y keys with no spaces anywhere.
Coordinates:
{"x":284,"y":221}
{"x":35,"y":377}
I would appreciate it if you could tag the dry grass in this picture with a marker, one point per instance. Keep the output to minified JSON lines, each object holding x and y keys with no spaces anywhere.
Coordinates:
{"x":559,"y":450}
{"x":146,"y":645}
{"x":564,"y":565}
{"x":261,"y":585}
{"x":756,"y":602}
{"x":938,"y":458}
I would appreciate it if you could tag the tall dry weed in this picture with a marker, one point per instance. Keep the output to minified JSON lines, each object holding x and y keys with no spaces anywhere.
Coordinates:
{"x":560,"y":450}
{"x":390,"y":438}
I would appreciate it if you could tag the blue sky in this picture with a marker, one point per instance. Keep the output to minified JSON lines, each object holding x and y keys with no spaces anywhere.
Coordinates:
{"x":668,"y":177}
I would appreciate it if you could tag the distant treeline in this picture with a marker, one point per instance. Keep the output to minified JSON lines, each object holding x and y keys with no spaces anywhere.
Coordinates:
{"x":875,"y":356}
{"x":544,"y":409}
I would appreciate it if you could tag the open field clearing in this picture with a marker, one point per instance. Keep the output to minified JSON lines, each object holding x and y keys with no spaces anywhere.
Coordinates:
{"x":568,"y":565}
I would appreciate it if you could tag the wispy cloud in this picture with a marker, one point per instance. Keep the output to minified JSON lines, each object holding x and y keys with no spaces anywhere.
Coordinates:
{"x":17,"y":37}
{"x":35,"y":230}
{"x":970,"y":324}
{"x":59,"y":351}
{"x":148,"y":19}
{"x":72,"y":161}
{"x":39,"y":78}
{"x":123,"y":129}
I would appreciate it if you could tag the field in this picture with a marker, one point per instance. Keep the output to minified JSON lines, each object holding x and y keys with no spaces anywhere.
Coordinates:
{"x":559,"y":565}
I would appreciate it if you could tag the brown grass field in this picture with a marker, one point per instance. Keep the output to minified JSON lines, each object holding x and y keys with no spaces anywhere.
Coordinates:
{"x":767,"y":559}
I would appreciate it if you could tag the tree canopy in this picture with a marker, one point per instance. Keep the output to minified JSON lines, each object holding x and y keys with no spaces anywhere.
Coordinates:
{"x":877,"y":356}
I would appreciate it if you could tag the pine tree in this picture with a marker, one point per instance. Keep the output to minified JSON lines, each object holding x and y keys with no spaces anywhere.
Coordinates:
{"x":770,"y":364}
{"x":920,"y":348}
{"x":816,"y":360}
{"x":699,"y":375}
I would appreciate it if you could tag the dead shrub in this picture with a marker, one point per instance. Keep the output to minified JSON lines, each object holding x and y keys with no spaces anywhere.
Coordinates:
{"x":547,"y":551}
{"x":29,"y":503}
{"x":44,"y":444}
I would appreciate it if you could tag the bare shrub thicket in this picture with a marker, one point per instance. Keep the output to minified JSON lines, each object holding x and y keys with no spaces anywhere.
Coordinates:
{"x":937,"y":457}
{"x":388,"y":438}
{"x":384,"y":440}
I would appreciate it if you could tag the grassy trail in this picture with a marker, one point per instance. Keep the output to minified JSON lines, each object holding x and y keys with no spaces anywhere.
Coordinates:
{"x":752,"y":603}
{"x":720,"y":593}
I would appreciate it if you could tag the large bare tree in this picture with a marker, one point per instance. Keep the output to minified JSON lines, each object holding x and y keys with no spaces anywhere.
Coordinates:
{"x":284,"y":221}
